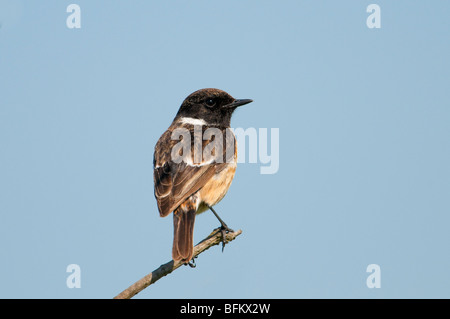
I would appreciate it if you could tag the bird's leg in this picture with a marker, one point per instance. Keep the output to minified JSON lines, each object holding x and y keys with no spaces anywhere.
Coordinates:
{"x":223,"y":227}
{"x":191,"y":263}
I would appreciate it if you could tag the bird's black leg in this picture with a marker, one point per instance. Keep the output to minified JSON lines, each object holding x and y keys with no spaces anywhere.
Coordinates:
{"x":191,"y":263}
{"x":223,"y":227}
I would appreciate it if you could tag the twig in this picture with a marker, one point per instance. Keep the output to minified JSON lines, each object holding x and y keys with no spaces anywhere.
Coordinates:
{"x":213,"y":239}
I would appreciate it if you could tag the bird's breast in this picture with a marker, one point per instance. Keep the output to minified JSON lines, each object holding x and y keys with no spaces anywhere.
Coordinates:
{"x":216,"y":188}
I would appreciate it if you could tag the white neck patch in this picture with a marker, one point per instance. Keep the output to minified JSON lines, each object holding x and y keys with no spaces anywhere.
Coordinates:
{"x":192,"y":121}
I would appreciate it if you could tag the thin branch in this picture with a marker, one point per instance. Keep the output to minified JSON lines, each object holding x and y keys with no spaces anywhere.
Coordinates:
{"x":213,"y":239}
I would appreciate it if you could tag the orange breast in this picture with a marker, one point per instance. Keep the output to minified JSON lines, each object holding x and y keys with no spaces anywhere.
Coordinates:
{"x":216,"y":188}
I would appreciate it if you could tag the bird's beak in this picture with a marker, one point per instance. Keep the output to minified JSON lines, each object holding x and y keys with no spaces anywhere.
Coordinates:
{"x":237,"y":103}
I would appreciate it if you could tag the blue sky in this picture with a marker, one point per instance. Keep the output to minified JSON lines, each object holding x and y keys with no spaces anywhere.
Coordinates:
{"x":363,"y":116}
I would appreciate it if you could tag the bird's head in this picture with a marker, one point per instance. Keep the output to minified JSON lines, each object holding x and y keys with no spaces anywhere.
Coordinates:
{"x":213,"y":106}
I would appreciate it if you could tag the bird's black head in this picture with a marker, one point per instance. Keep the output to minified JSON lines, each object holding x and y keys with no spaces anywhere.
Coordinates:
{"x":213,"y":106}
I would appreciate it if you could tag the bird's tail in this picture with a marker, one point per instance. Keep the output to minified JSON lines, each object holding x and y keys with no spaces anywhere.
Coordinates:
{"x":183,"y":234}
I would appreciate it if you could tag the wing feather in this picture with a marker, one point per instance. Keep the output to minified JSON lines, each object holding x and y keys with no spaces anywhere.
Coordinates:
{"x":174,"y":182}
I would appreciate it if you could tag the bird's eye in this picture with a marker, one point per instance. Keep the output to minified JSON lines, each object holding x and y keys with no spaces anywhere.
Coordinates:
{"x":210,"y":102}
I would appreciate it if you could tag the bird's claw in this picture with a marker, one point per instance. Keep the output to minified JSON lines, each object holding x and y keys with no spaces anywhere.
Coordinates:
{"x":224,"y":229}
{"x":191,"y":263}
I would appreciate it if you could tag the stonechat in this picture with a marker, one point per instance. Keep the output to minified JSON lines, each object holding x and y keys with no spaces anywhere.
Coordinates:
{"x":194,"y":163}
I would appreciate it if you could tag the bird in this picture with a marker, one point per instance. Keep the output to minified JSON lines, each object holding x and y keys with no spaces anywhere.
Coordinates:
{"x":194,"y":163}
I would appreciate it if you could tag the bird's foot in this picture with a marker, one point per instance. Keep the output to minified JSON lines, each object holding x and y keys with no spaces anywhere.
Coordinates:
{"x":224,"y":229}
{"x":191,"y":263}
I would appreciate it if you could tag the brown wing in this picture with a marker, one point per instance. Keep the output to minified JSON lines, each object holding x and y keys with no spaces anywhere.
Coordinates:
{"x":174,"y":182}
